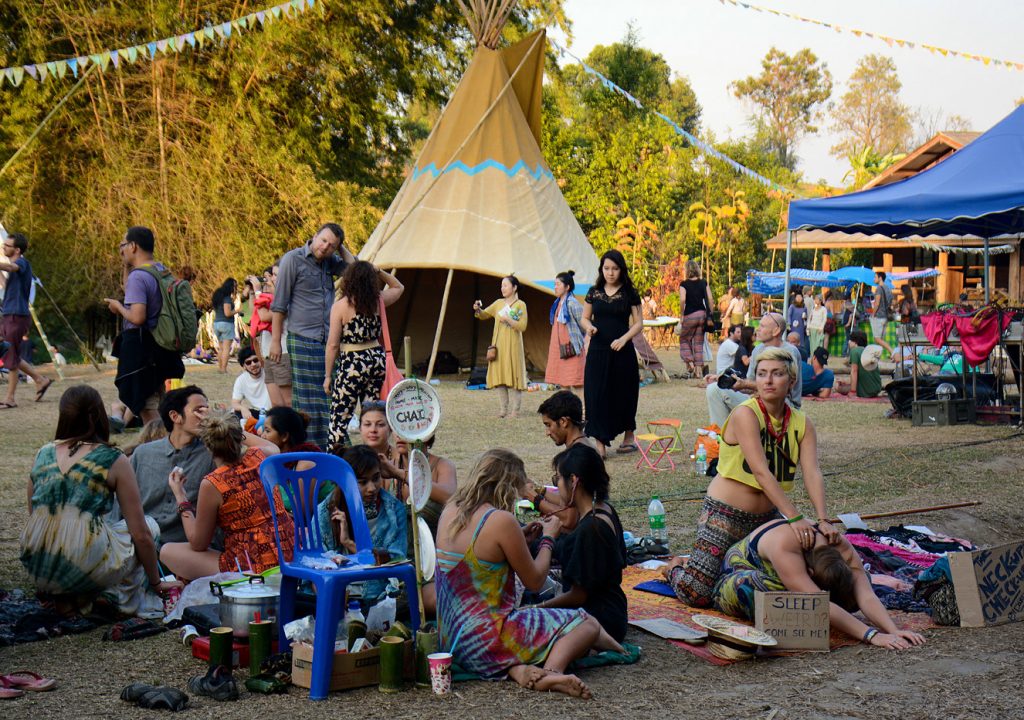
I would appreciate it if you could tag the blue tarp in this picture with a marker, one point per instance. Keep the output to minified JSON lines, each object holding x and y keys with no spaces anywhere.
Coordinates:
{"x":978,"y":190}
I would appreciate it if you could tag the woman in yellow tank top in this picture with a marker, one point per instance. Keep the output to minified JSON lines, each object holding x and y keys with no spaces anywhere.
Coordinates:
{"x":762,"y":443}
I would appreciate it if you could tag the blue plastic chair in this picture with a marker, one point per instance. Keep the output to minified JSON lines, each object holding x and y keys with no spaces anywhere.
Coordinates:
{"x":301,"y":487}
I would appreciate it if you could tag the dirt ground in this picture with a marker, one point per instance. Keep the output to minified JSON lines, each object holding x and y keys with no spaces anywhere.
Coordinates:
{"x":871,"y":465}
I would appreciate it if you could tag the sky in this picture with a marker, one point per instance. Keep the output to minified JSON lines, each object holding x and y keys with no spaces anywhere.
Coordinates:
{"x":712,"y":44}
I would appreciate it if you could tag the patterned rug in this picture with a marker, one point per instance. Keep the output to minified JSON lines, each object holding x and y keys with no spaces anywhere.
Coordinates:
{"x":647,"y":606}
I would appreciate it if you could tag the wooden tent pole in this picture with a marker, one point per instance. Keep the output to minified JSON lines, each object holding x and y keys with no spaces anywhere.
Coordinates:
{"x":440,"y":324}
{"x":915,"y":511}
{"x":81,"y":345}
{"x":13,"y":377}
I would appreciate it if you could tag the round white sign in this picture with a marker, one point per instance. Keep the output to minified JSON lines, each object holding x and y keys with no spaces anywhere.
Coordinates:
{"x":413,"y":410}
{"x":419,"y":479}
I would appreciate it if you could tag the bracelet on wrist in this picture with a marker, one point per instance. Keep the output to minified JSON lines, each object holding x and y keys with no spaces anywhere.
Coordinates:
{"x":869,"y":634}
{"x":796,"y":518}
{"x":184,"y":507}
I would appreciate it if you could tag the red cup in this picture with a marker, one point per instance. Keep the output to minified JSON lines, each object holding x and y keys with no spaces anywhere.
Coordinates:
{"x":440,"y":672}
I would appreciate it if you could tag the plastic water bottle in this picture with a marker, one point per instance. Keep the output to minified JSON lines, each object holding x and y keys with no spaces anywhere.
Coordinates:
{"x":354,"y":612}
{"x":700,"y":465}
{"x":656,"y":516}
{"x":262,"y":419}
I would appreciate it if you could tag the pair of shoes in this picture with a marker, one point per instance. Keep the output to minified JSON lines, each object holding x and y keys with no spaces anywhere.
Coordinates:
{"x":155,"y":697}
{"x":217,"y":684}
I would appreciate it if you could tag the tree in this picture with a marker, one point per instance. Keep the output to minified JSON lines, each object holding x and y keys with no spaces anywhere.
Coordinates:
{"x":929,"y":122}
{"x":787,"y":98}
{"x":870,"y":114}
{"x":868,"y":164}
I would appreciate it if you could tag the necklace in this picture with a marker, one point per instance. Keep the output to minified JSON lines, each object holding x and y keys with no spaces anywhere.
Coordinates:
{"x":769,"y":425}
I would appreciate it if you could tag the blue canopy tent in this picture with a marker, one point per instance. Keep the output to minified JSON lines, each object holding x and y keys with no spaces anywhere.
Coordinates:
{"x":978,"y":190}
{"x":774,"y":283}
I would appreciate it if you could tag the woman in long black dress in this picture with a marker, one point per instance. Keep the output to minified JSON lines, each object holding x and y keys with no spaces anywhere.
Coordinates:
{"x":611,"y":380}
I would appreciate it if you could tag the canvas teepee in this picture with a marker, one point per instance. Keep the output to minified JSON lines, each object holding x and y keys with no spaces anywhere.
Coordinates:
{"x":481,"y":203}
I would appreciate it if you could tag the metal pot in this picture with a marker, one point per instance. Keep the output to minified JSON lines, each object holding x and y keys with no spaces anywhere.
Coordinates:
{"x":240,"y":603}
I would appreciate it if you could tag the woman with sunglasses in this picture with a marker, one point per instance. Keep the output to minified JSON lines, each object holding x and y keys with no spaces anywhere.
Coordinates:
{"x":594,"y":554}
{"x":762,"y":442}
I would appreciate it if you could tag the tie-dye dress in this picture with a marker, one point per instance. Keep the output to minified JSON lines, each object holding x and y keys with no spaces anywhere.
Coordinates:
{"x":476,"y":601}
{"x":68,"y":547}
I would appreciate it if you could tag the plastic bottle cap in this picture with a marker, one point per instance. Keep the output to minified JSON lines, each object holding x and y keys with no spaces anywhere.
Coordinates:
{"x":654,"y":497}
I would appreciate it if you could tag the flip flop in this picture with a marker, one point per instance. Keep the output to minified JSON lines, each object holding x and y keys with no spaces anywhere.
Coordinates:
{"x":7,"y":692}
{"x":7,"y":406}
{"x":626,"y":449}
{"x":29,"y":681}
{"x":42,"y":391}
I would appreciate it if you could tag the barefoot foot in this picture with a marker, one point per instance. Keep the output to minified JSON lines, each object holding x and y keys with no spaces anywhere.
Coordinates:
{"x":526,"y":675}
{"x":568,"y":684}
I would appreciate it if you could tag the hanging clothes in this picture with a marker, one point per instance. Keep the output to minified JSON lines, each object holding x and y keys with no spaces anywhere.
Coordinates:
{"x":980,"y":333}
{"x":937,"y":326}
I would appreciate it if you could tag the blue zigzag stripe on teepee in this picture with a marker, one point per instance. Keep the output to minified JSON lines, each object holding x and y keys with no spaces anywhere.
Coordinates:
{"x":520,"y":166}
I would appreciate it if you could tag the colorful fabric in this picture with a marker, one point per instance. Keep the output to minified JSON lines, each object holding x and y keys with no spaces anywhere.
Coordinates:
{"x":783,"y":458}
{"x":357,"y":375}
{"x":937,"y":326}
{"x":570,"y":314}
{"x":476,"y":600}
{"x":308,"y":396}
{"x":244,"y":516}
{"x":980,"y":333}
{"x":67,"y":547}
{"x":744,"y":573}
{"x":510,"y":367}
{"x":691,"y":338}
{"x":719,"y":527}
{"x":567,"y":372}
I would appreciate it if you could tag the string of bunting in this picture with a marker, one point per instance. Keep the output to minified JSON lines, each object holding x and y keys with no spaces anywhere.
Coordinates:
{"x":58,"y":69}
{"x":704,"y":147}
{"x":890,"y":41}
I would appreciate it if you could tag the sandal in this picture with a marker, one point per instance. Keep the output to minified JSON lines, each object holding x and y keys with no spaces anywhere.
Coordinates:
{"x":28,"y":680}
{"x":7,"y":406}
{"x":626,"y":449}
{"x":42,"y":391}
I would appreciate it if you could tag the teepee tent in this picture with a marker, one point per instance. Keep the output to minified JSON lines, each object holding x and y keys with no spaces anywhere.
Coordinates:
{"x":479,"y":204}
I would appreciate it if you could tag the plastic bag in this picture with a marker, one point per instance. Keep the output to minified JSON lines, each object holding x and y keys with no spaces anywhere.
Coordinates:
{"x":381,"y":615}
{"x":198,"y":592}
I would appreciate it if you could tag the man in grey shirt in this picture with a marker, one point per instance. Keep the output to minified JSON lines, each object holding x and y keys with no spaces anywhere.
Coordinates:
{"x":769,"y":333}
{"x":182,"y":411}
{"x":304,"y":295}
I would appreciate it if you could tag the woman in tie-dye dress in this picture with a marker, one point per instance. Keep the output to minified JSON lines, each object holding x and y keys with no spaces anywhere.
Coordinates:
{"x":480,"y":547}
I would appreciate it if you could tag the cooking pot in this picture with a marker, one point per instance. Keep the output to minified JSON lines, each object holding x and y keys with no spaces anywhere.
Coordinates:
{"x":239,"y":604}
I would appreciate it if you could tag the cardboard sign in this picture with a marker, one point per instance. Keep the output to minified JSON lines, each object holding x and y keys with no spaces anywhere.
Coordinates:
{"x":989,"y":584}
{"x":798,"y":621}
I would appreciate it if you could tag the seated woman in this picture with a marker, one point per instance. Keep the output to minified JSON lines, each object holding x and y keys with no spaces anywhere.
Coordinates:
{"x":232,"y":499}
{"x":594,"y":554}
{"x":763,"y":441}
{"x":480,"y":549}
{"x":286,"y":428}
{"x":376,"y":432}
{"x":385,"y":514}
{"x":773,"y":559}
{"x":68,"y":546}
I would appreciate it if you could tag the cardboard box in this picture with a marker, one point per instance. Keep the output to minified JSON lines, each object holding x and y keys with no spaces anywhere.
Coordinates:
{"x":989,"y":584}
{"x":351,"y":670}
{"x":798,"y":621}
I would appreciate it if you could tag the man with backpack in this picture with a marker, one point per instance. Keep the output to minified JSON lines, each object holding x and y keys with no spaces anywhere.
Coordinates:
{"x":156,"y":321}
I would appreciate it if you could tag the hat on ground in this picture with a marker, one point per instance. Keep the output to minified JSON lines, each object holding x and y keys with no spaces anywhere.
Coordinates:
{"x":870,"y":357}
{"x":822,"y":355}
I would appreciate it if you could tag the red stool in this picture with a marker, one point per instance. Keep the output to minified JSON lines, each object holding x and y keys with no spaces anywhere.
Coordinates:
{"x":655,"y":443}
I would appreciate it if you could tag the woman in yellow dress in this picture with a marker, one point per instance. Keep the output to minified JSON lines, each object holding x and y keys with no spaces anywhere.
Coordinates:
{"x":507,"y":371}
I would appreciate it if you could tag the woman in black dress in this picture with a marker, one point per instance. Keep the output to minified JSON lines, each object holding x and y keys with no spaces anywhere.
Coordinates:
{"x":611,"y":380}
{"x":594,"y":554}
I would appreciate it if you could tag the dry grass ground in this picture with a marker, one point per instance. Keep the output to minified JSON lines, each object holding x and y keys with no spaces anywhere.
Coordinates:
{"x":871,"y":465}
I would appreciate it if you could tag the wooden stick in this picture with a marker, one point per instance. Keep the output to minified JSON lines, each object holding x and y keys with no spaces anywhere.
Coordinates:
{"x":916,"y":511}
{"x":440,"y":325}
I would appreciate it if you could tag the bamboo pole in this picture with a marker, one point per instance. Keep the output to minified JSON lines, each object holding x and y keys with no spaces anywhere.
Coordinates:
{"x":915,"y":511}
{"x":13,"y":377}
{"x":81,"y":345}
{"x":440,"y":324}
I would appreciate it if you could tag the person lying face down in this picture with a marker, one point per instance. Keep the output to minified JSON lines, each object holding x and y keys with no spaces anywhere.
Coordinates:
{"x":772,"y":559}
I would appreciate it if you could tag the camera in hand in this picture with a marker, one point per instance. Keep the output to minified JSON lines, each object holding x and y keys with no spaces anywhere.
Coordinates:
{"x":728,"y":378}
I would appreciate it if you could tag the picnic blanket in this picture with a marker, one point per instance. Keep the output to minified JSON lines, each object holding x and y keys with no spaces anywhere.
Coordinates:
{"x":24,"y":619}
{"x":646,"y":606}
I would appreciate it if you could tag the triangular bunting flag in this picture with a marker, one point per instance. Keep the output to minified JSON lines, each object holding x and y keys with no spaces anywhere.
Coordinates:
{"x":73,"y":65}
{"x":114,"y":57}
{"x":31,"y":70}
{"x":310,"y":3}
{"x":18,"y":74}
{"x":172,"y":43}
{"x":250,"y":21}
{"x":51,"y":67}
{"x":161,"y":46}
{"x":262,"y":17}
{"x":152,"y":49}
{"x":209,"y":31}
{"x":132,"y":54}
{"x":190,"y":38}
{"x":83,"y":62}
{"x":241,"y":24}
{"x":276,"y":11}
{"x":104,"y":61}
{"x":94,"y":59}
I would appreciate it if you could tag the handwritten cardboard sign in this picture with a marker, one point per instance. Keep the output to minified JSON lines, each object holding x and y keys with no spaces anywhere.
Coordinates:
{"x":797,"y":621}
{"x":989,"y":584}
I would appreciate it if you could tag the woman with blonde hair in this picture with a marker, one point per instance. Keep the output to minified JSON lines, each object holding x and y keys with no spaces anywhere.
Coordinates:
{"x":480,"y":545}
{"x":232,"y":499}
{"x":695,"y":307}
{"x":762,"y":442}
